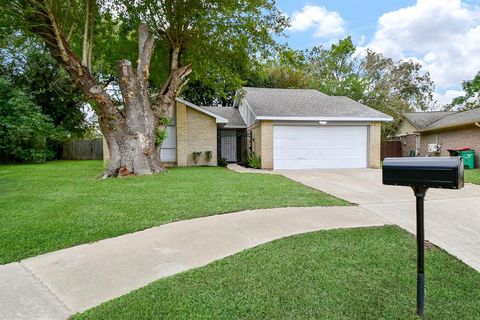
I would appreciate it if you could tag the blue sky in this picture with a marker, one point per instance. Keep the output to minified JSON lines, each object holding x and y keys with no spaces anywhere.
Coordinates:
{"x":360,"y":16}
{"x":443,"y":35}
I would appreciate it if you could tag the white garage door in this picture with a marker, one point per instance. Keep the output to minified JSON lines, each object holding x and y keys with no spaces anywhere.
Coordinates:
{"x":319,"y":147}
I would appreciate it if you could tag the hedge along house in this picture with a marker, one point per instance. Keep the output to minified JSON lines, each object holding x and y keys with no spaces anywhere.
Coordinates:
{"x":287,"y":128}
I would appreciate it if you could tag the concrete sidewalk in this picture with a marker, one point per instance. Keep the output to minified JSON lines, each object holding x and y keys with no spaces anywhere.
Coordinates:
{"x":240,"y":169}
{"x":61,"y":283}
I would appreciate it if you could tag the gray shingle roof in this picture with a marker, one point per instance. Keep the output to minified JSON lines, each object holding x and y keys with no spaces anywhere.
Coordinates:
{"x":456,"y":119}
{"x":305,"y":103}
{"x":422,"y":120}
{"x":235,"y":120}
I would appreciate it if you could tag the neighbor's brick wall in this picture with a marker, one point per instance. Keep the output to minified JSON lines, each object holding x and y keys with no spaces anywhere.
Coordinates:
{"x":408,"y":143}
{"x":374,"y":145}
{"x":466,"y":136}
{"x":201,"y":137}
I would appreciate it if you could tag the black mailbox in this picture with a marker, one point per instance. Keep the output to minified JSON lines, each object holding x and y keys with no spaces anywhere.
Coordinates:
{"x":421,"y":174}
{"x":432,"y":172}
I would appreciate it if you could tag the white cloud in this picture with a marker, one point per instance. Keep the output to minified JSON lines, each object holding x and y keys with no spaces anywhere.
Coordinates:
{"x":446,"y":97}
{"x":325,"y":23}
{"x":444,"y":35}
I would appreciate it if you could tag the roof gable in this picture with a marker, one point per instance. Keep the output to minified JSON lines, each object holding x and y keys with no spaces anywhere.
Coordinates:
{"x":421,"y":120}
{"x":232,"y":114}
{"x":218,"y":118}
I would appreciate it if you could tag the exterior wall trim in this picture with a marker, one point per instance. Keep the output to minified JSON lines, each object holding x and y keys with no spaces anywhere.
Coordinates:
{"x":367,"y":119}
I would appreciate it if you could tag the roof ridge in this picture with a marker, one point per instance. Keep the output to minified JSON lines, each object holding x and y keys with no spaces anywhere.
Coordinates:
{"x":447,"y":115}
{"x":431,"y":111}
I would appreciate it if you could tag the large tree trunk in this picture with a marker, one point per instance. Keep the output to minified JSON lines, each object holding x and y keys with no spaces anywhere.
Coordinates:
{"x":131,"y":130}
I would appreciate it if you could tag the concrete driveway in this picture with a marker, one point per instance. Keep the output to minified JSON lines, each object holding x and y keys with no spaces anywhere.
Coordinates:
{"x":452,"y":217}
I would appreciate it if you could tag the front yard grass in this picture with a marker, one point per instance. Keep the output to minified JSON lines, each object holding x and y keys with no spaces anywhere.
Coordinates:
{"x":55,"y":205}
{"x":367,"y":273}
{"x":472,"y":176}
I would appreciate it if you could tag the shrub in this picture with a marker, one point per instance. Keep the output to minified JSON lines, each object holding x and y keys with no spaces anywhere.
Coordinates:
{"x":24,"y":130}
{"x":208,"y":154}
{"x":196,"y":156}
{"x":222,"y":162}
{"x":254,"y":161}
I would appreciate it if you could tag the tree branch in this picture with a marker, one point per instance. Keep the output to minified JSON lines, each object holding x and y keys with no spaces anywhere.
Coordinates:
{"x":46,"y":26}
{"x":146,"y":45}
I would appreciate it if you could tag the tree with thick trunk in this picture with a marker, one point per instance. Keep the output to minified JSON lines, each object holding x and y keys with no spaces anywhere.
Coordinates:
{"x":134,"y":128}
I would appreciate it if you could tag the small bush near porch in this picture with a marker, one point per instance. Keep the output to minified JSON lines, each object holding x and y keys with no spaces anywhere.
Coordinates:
{"x":55,"y":205}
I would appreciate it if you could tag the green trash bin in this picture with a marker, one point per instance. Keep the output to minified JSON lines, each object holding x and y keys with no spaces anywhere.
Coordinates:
{"x":468,"y":157}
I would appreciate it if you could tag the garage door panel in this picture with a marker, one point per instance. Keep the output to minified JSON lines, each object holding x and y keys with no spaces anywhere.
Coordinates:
{"x":306,"y":147}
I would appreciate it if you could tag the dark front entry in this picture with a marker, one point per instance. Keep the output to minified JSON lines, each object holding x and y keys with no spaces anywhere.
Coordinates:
{"x":232,"y":144}
{"x":228,"y":145}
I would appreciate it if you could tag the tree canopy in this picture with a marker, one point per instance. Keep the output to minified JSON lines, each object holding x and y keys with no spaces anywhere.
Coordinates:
{"x":471,"y":98}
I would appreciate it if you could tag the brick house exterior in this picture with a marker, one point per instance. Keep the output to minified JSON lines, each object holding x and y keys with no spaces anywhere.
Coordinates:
{"x":451,"y":138}
{"x":448,"y":130}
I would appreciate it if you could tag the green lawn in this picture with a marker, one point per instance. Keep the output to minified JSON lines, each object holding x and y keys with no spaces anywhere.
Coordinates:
{"x":472,"y":176}
{"x":365,"y":273}
{"x":50,"y":206}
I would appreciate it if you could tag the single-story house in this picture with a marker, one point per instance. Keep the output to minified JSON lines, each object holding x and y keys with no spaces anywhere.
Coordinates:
{"x":446,"y":130}
{"x":287,"y":128}
{"x":408,"y":133}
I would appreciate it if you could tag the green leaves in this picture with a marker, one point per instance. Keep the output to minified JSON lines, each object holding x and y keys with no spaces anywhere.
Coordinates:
{"x":392,"y":87}
{"x":471,"y":98}
{"x":23,"y":128}
{"x":221,"y":39}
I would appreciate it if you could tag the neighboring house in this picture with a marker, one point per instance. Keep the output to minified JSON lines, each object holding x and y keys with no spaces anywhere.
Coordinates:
{"x":412,"y":122}
{"x":288,"y":128}
{"x":448,"y":130}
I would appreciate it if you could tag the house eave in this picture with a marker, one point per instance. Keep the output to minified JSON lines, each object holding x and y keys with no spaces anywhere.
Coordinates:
{"x":368,"y":119}
{"x":447,"y":126}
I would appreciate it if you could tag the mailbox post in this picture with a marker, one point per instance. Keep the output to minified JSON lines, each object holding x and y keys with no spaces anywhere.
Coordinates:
{"x":421,"y":174}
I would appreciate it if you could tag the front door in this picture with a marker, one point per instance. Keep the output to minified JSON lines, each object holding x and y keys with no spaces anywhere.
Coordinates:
{"x":228,"y":145}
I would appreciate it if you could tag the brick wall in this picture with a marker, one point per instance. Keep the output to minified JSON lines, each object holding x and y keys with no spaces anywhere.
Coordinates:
{"x":201,"y":137}
{"x":409,"y":143}
{"x":181,"y":127}
{"x":466,"y":136}
{"x":256,"y":141}
{"x":374,"y":145}
{"x":262,"y":142}
{"x":267,"y":144}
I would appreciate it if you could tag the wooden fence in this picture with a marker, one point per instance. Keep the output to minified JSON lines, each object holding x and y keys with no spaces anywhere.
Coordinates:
{"x":83,"y":150}
{"x":391,"y":149}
